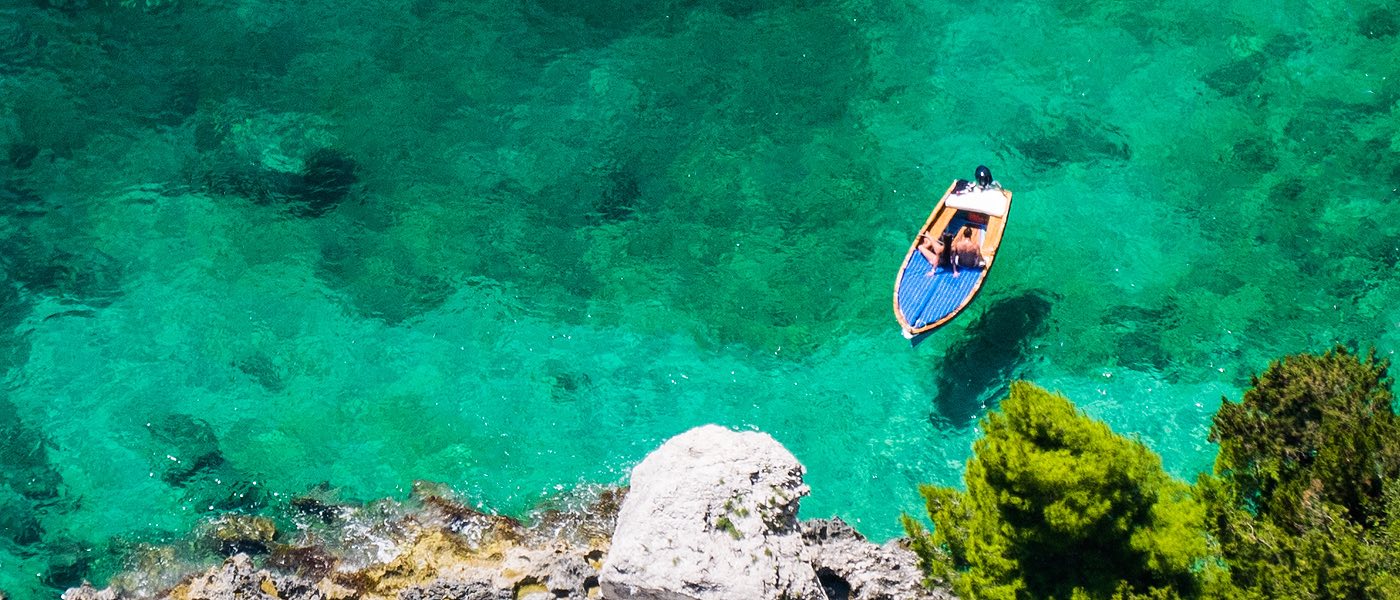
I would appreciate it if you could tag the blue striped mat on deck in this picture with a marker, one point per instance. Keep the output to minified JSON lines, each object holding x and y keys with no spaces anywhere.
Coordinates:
{"x":925,"y":299}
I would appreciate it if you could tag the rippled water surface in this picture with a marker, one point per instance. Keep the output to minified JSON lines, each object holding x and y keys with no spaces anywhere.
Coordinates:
{"x":252,"y":247}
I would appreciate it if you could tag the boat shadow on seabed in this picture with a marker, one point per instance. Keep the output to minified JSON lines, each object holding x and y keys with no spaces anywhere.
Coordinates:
{"x":993,"y":351}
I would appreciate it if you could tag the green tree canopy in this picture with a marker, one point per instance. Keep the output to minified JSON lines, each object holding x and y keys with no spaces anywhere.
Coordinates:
{"x":1059,"y":506}
{"x":1303,"y":498}
{"x":1312,"y":428}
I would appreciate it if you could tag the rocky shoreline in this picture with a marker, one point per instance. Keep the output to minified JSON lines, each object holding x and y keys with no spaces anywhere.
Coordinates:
{"x":710,"y":515}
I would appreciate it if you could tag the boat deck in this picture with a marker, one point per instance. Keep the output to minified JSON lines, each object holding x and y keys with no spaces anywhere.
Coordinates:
{"x":929,"y":293}
{"x":928,"y":296}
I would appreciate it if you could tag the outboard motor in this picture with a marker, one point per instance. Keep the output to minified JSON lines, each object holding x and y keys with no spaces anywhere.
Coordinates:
{"x":984,"y":177}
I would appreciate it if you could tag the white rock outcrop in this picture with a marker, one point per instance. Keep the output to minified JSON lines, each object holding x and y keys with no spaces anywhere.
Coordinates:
{"x":712,"y":515}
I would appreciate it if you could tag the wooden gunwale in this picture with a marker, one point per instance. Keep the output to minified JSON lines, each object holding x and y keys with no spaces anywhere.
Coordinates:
{"x":937,"y":221}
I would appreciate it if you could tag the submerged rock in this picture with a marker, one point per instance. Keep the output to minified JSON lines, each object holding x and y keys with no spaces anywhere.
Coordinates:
{"x":712,"y":515}
{"x":185,"y":447}
{"x":327,"y":177}
{"x":21,"y":156}
{"x":326,"y":181}
{"x":239,"y":534}
{"x":68,"y":562}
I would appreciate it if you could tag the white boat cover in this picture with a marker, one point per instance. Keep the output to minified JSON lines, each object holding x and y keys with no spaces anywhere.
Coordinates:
{"x":988,"y":202}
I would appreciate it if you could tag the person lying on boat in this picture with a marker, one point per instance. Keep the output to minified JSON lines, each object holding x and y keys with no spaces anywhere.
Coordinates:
{"x":934,"y":249}
{"x":966,"y":250}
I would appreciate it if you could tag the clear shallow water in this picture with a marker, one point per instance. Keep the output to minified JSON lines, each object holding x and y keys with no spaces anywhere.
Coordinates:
{"x":545,"y":238}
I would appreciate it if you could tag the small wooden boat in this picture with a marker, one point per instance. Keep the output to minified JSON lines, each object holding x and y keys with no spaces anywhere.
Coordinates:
{"x":943,"y":273}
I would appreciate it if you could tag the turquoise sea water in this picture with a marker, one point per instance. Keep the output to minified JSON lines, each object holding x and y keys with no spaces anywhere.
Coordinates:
{"x":250,"y":247}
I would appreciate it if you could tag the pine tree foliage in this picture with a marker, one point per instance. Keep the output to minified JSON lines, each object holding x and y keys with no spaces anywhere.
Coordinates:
{"x":1304,"y":498}
{"x":1059,"y":506}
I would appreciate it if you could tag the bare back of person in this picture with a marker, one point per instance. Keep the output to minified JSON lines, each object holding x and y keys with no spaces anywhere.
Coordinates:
{"x":966,"y":250}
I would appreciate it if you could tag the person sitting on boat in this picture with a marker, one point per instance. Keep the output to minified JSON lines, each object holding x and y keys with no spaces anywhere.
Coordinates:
{"x":966,"y":250}
{"x":934,"y":251}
